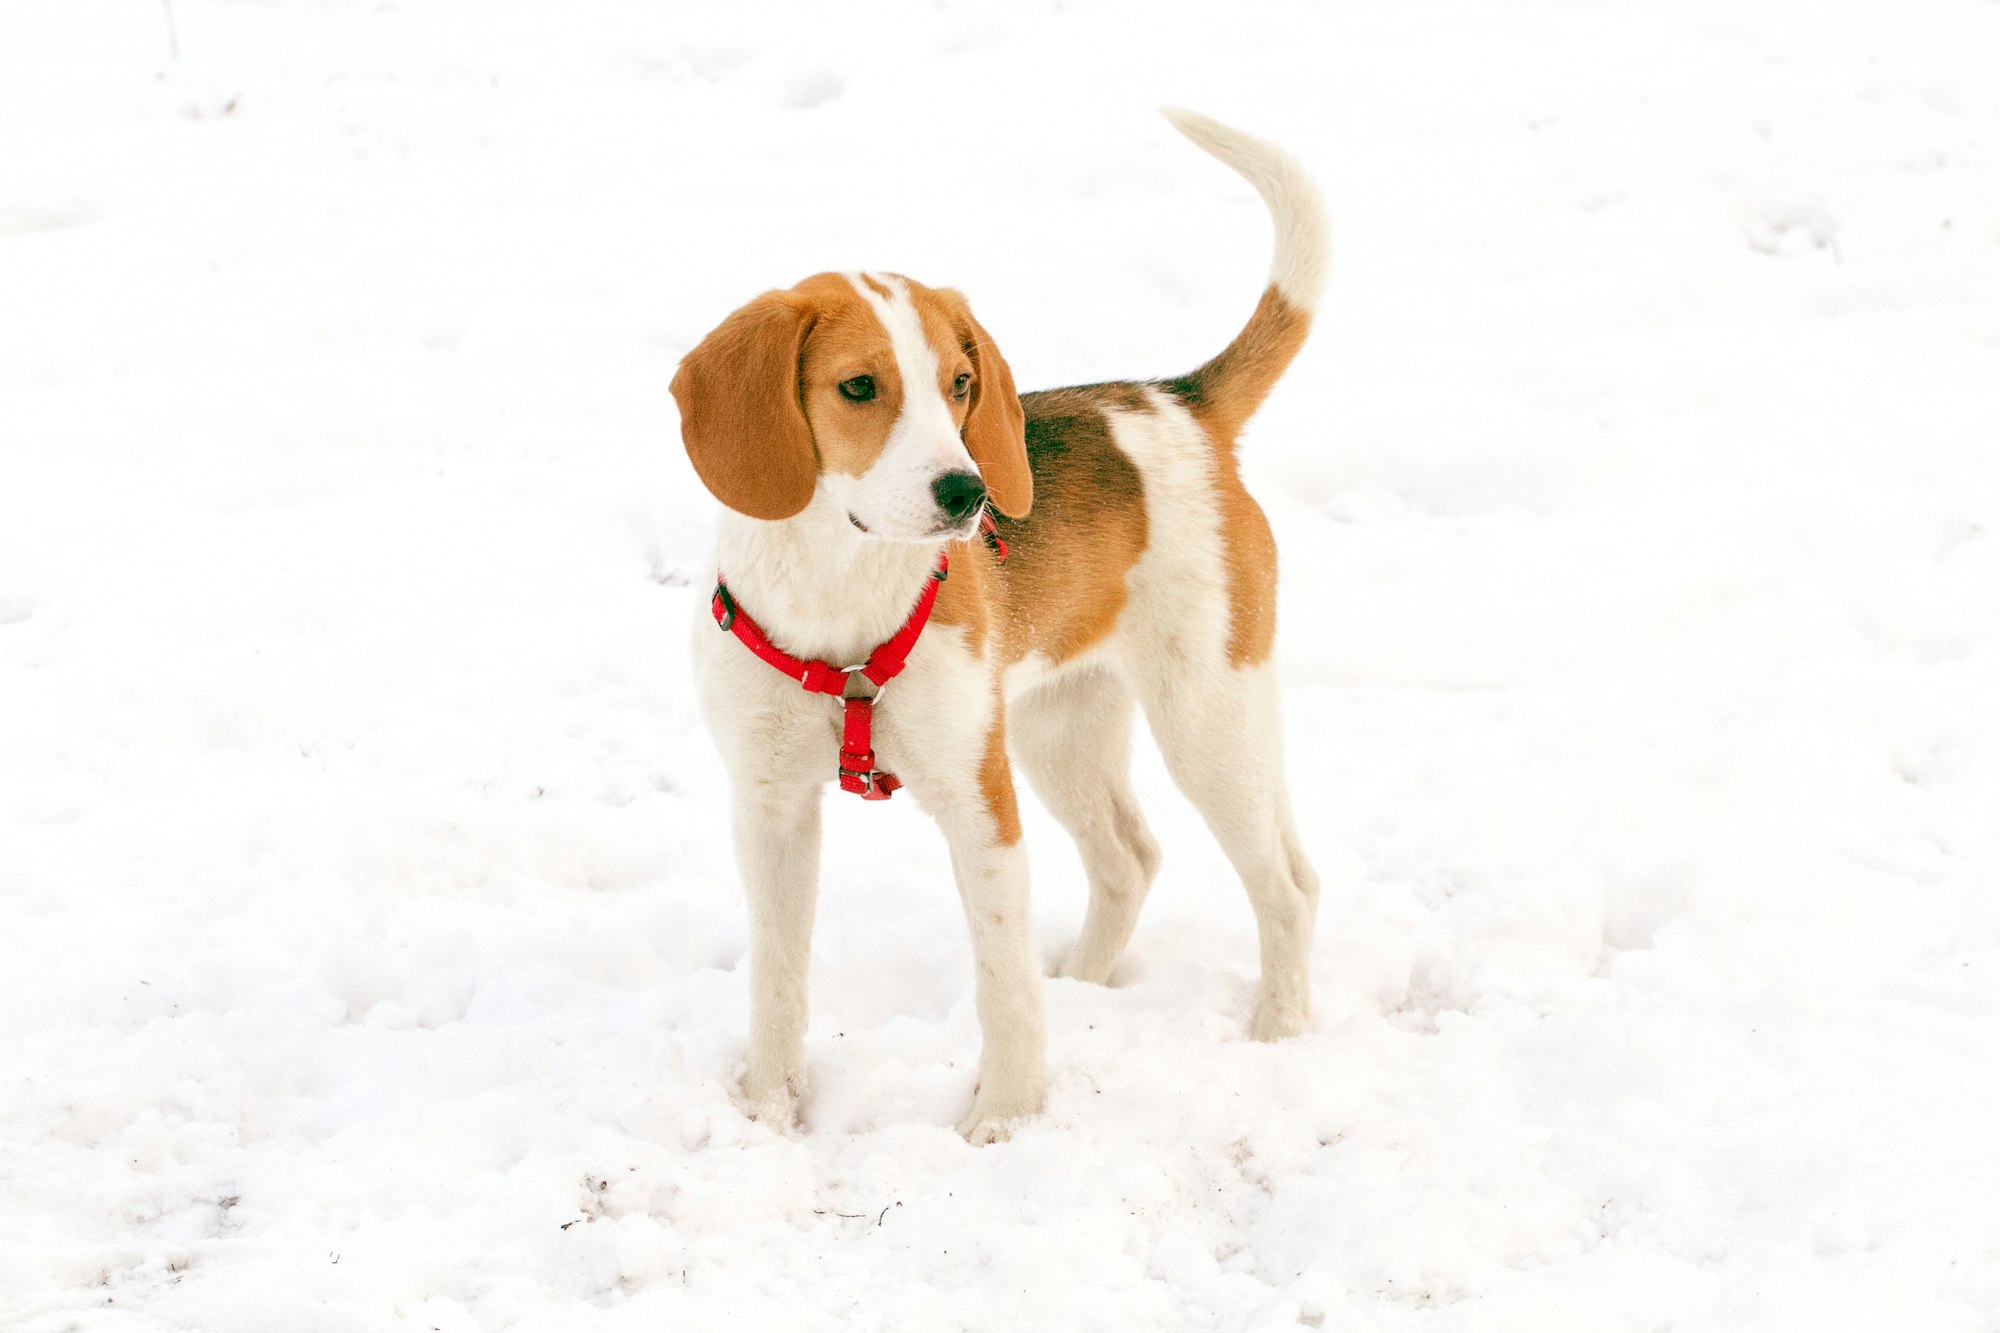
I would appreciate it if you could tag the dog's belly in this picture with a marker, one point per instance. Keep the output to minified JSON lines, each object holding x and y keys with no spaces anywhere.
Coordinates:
{"x":1036,"y":669}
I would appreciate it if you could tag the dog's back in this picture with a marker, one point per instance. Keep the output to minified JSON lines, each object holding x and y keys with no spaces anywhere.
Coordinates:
{"x":1118,"y":473}
{"x":1146,"y":572}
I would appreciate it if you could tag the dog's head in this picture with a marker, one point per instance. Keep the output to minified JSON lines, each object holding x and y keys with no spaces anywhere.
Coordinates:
{"x":885,"y":392}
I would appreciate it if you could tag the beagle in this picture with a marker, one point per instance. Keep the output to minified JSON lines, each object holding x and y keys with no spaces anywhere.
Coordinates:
{"x":858,"y":428}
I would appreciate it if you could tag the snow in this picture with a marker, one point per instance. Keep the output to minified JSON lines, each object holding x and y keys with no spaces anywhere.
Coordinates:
{"x":372,"y":951}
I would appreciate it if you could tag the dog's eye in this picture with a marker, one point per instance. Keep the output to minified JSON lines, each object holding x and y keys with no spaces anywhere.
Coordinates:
{"x":859,"y":389}
{"x":961,"y":386}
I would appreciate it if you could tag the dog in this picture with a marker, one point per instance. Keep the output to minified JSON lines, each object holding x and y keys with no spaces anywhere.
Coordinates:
{"x":954,"y":581}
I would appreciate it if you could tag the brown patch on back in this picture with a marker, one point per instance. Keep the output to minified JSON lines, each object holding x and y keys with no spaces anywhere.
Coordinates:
{"x":1222,"y":396}
{"x":996,"y":779}
{"x":1063,"y":584}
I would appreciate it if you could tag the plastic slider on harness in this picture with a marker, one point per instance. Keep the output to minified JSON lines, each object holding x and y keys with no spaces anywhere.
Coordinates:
{"x":858,"y":687}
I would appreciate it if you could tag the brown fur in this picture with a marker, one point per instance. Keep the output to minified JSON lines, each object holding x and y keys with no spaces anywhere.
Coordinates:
{"x":996,"y":780}
{"x":967,"y":596}
{"x":848,"y":340}
{"x":993,"y":424}
{"x":740,"y":384}
{"x":1251,"y":556}
{"x":1062,"y":585}
{"x":1230,"y":387}
{"x":1222,"y":396}
{"x":762,"y":413}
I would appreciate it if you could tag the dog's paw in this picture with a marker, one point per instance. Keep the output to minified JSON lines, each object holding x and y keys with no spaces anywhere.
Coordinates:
{"x":772,"y":1099}
{"x":996,"y":1114}
{"x":1077,"y":965}
{"x":980,"y":1129}
{"x":1275,"y":1021}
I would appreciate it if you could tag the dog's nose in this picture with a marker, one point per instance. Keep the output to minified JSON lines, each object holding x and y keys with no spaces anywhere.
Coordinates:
{"x":959,"y":493}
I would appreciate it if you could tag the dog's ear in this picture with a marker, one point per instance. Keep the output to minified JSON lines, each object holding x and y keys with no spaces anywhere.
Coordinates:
{"x":993,"y":425}
{"x":741,"y":418}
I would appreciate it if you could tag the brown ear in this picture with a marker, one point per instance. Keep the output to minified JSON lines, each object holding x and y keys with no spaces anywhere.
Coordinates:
{"x":741,"y":419}
{"x":993,"y":427}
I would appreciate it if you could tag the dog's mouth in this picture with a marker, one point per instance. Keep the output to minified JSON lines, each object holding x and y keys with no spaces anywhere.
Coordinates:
{"x":963,"y":532}
{"x":957,"y":532}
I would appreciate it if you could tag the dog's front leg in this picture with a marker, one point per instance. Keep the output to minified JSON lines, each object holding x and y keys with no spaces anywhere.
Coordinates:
{"x":993,"y":884}
{"x":777,"y":853}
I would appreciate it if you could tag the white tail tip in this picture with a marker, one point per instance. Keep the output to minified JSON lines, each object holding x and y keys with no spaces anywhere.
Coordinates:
{"x":1301,"y":253}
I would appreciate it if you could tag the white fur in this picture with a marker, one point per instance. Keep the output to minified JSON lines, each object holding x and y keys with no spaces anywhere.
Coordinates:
{"x":1217,"y":725}
{"x":831,"y":592}
{"x":1300,"y":257}
{"x":822,"y":589}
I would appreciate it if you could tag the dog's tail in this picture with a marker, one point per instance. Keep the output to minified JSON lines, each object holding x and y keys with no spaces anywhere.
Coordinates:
{"x":1229,"y":388}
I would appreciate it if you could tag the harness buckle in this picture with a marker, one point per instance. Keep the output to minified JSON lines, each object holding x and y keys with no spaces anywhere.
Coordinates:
{"x":872,"y":785}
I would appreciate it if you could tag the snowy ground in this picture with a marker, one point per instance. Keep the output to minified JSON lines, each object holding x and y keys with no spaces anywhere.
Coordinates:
{"x":370,"y":957}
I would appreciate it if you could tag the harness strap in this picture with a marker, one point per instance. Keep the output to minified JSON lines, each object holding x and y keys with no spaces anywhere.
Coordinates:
{"x":858,"y":773}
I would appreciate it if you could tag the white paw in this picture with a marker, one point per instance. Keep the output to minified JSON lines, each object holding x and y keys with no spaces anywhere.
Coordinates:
{"x":1077,"y":967}
{"x":1274,"y":1021}
{"x":996,"y":1114}
{"x":771,"y":1099}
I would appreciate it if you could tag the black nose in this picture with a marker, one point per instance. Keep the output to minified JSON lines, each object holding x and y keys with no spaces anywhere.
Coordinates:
{"x":959,"y":493}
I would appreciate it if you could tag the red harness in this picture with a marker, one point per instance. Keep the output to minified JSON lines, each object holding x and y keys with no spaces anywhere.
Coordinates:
{"x":858,"y":687}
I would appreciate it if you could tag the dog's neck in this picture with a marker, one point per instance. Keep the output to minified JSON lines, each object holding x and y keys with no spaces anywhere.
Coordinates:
{"x":819,"y":586}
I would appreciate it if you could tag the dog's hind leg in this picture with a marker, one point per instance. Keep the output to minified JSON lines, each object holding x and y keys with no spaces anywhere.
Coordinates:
{"x":1221,"y":740}
{"x":1073,"y":739}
